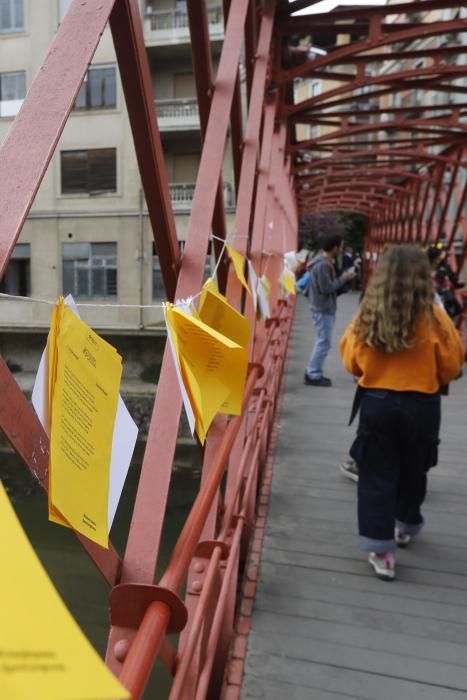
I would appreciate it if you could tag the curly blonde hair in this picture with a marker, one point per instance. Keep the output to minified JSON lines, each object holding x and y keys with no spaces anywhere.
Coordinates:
{"x":399,"y":294}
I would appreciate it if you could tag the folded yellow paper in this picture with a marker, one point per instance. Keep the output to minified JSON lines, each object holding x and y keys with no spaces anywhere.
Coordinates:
{"x":288,"y":281}
{"x":238,"y":261}
{"x":213,"y":368}
{"x":215,"y":311}
{"x":43,"y":653}
{"x":84,"y":381}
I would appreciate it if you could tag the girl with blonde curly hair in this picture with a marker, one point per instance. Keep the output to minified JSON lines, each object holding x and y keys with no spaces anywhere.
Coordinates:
{"x":402,"y":348}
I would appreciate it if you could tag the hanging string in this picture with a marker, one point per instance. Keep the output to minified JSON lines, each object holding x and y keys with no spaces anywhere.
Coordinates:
{"x":97,"y":305}
{"x":17,"y":297}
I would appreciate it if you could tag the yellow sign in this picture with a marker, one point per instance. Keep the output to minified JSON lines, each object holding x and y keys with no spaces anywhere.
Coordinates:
{"x":212,"y":367}
{"x":239,"y":264}
{"x":84,"y":380}
{"x":43,"y":653}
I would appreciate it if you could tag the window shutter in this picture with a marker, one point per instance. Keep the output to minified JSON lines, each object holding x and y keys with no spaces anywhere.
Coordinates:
{"x":74,"y":166}
{"x":103,"y":170}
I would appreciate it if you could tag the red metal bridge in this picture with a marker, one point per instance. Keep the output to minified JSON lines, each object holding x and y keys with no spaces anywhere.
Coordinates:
{"x":370,"y":148}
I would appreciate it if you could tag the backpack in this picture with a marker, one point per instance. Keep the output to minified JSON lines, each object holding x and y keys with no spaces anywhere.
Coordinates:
{"x":451,"y":303}
{"x":303,"y":284}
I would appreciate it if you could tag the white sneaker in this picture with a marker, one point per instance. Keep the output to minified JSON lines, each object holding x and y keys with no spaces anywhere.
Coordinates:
{"x":349,"y":469}
{"x":384,"y":565}
{"x":402,"y":538}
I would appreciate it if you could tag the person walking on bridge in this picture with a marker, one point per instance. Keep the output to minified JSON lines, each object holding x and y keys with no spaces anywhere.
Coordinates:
{"x":322,"y":292}
{"x":403,"y":348}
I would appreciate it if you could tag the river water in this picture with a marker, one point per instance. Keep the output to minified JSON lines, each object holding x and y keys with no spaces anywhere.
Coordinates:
{"x":81,"y":586}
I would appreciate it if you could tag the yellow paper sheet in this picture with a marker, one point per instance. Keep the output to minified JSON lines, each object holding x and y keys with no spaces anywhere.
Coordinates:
{"x":43,"y":653}
{"x":288,"y":280}
{"x":54,"y":515}
{"x":239,"y":264}
{"x":266,"y":282}
{"x":215,"y":311}
{"x":212,"y":366}
{"x":84,"y":405}
{"x":211,"y":286}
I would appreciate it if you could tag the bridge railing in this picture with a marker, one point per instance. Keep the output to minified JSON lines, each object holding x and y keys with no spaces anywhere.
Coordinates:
{"x":222,"y":553}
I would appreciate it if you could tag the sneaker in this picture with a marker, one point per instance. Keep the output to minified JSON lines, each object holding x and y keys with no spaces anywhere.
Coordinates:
{"x":322,"y":381}
{"x":384,"y":565}
{"x":349,"y":469}
{"x":402,"y":538}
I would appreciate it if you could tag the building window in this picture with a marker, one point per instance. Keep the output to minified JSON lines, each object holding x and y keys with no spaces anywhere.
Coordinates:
{"x":11,"y":16}
{"x":92,"y":171}
{"x":98,"y":90}
{"x":208,"y":263}
{"x":315,"y":88}
{"x":90,"y":269}
{"x":158,"y":289}
{"x":17,"y":278}
{"x":417,"y":94}
{"x":12,"y":92}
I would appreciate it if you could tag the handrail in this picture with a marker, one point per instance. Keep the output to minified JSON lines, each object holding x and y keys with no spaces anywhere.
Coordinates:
{"x":177,"y":107}
{"x":162,"y":20}
{"x":150,"y":634}
{"x":182,"y":194}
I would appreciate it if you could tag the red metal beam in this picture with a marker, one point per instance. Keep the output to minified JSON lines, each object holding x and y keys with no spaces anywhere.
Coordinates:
{"x":148,"y":516}
{"x":34,"y":134}
{"x":413,"y":155}
{"x":433,"y":126}
{"x":361,"y":13}
{"x":459,"y":108}
{"x":355,"y":48}
{"x":20,"y":425}
{"x":24,"y":159}
{"x":127,"y":33}
{"x":396,"y":81}
{"x":204,"y":78}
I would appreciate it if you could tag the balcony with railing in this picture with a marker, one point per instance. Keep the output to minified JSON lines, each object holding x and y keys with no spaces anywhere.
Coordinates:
{"x":179,"y":114}
{"x":167,"y":27}
{"x":182,"y":193}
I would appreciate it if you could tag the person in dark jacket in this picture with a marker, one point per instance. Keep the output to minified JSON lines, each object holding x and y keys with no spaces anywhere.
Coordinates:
{"x":322,"y":292}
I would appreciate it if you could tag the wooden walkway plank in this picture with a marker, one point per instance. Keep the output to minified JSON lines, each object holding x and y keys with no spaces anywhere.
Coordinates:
{"x":323,"y":627}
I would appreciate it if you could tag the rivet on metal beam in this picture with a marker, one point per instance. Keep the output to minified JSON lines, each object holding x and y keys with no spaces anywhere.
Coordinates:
{"x":121,"y":649}
{"x":196,"y":586}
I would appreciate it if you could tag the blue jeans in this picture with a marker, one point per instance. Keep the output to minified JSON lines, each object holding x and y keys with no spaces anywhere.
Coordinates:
{"x":323,"y":323}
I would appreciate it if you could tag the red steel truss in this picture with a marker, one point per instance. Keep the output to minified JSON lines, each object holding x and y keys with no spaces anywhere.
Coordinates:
{"x":394,"y":163}
{"x":400,"y":164}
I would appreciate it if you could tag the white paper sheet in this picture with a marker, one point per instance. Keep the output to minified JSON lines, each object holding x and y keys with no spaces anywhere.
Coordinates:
{"x":124,"y":435}
{"x":263,"y":297}
{"x":186,"y":399}
{"x":253,"y":283}
{"x":290,"y":260}
{"x":185,"y":305}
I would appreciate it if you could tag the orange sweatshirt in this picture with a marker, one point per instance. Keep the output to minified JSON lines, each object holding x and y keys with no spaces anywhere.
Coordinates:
{"x":435,"y":359}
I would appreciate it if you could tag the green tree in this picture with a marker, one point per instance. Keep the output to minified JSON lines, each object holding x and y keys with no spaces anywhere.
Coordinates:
{"x":351,"y":226}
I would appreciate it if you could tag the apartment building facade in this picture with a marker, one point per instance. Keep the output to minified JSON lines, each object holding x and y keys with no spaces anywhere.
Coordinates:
{"x":88,"y":232}
{"x":416,"y":95}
